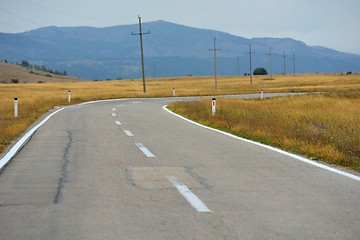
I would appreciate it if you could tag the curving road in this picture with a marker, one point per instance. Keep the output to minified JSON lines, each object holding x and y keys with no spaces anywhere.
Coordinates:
{"x":128,"y":169}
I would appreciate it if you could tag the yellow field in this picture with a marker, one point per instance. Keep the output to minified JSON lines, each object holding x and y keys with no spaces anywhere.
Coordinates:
{"x":323,"y":127}
{"x":36,"y":99}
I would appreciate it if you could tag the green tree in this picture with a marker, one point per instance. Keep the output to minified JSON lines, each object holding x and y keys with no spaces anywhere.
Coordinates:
{"x":25,"y":64}
{"x":260,"y":71}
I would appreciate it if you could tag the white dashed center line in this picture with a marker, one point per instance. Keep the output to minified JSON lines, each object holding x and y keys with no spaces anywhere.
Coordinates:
{"x":113,"y":114}
{"x":194,"y":201}
{"x":128,"y":133}
{"x":118,"y":122}
{"x":145,"y":150}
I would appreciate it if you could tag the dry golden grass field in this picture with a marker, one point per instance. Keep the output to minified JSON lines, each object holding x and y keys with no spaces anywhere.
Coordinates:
{"x":323,"y":127}
{"x":36,"y":99}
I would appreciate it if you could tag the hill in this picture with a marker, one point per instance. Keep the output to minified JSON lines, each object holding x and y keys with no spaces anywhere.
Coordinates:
{"x":9,"y":72}
{"x":170,"y":50}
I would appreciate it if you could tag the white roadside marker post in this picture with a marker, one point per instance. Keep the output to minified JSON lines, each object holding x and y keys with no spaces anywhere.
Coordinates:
{"x":68,"y":96}
{"x":16,"y":107}
{"x":213,"y":106}
{"x":262,"y":94}
{"x":174,"y":92}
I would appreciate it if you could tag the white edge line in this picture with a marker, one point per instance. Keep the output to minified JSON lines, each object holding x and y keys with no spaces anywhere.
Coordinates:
{"x":20,"y":143}
{"x":319,"y":165}
{"x":194,"y":201}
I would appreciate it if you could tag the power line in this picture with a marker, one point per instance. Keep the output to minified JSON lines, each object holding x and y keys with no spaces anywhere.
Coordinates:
{"x":69,"y":14}
{"x":142,"y":52}
{"x":215,"y":49}
{"x":12,"y":25}
{"x":24,"y":19}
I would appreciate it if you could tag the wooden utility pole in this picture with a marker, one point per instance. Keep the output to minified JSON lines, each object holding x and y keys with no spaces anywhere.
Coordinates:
{"x":238,"y":65}
{"x":250,"y":54}
{"x":142,"y":53}
{"x":294,"y":63}
{"x":215,"y":49}
{"x":284,"y":56}
{"x":270,"y":54}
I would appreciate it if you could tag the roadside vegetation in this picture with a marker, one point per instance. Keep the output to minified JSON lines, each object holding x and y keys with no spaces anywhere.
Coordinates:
{"x":35,"y":99}
{"x":323,"y":127}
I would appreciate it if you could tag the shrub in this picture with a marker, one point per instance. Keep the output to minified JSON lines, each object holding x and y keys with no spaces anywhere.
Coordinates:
{"x":260,"y":71}
{"x":25,"y":64}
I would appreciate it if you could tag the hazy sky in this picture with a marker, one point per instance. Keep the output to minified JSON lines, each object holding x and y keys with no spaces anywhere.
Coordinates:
{"x":329,"y":23}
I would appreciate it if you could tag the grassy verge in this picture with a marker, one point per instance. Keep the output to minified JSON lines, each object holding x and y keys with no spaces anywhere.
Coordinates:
{"x":36,"y":99}
{"x":322,"y":127}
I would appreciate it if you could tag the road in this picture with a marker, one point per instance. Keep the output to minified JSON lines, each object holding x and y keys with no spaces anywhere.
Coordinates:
{"x":128,"y":169}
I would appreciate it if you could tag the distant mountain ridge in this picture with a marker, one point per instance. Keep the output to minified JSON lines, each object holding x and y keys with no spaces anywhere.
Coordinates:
{"x":170,"y":50}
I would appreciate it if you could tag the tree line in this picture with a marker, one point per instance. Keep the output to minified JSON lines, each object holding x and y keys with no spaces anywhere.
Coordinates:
{"x":26,"y":64}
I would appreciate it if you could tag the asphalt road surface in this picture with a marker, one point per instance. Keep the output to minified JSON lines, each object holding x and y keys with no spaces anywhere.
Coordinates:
{"x":128,"y":169}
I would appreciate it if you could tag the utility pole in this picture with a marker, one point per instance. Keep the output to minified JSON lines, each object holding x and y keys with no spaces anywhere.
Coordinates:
{"x":142,"y":52}
{"x":284,"y":56}
{"x":154,"y":70}
{"x":294,"y":62}
{"x":215,"y":49}
{"x":250,"y":53}
{"x":270,"y":54}
{"x":238,"y":65}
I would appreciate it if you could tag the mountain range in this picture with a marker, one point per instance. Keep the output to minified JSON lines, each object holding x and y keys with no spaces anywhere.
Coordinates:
{"x":170,"y":50}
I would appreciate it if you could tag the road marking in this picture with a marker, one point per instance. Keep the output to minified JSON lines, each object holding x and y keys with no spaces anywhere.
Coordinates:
{"x":319,"y":165}
{"x":118,"y":122}
{"x":113,"y":114}
{"x":145,"y":150}
{"x":128,"y":133}
{"x":114,"y":109}
{"x":22,"y":141}
{"x":194,"y":201}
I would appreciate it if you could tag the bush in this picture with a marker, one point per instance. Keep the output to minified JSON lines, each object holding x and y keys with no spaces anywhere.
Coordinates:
{"x":260,"y":71}
{"x":25,"y":64}
{"x":14,"y":80}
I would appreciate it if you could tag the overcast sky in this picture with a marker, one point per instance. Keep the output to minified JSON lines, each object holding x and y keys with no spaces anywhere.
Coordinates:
{"x":329,"y":23}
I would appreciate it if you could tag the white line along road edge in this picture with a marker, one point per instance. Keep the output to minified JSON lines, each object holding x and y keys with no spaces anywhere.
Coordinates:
{"x":194,"y":201}
{"x":18,"y":145}
{"x":319,"y":165}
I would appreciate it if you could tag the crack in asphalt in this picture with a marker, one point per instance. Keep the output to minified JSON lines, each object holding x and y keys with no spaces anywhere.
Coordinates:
{"x":64,"y":172}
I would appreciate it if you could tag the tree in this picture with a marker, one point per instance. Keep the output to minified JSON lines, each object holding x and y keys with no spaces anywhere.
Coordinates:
{"x":260,"y":71}
{"x":25,"y":64}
